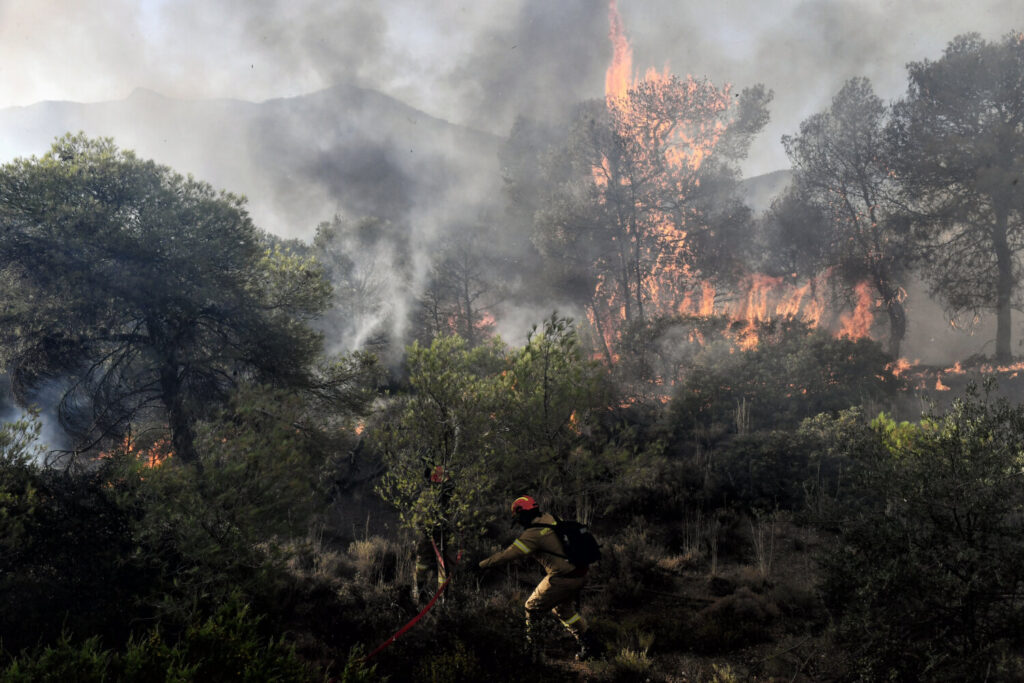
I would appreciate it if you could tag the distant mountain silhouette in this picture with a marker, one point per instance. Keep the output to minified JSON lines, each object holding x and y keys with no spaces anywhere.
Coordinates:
{"x":760,"y":191}
{"x":299,"y":160}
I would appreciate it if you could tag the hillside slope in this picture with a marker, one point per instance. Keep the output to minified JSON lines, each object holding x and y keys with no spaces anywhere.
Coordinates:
{"x":298,"y":160}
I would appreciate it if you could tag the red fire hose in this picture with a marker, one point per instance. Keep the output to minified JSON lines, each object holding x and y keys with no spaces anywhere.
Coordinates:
{"x":430,"y":605}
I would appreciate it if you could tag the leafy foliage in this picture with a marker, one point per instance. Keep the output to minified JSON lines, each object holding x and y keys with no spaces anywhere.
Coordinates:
{"x":490,"y":415}
{"x":225,"y":647}
{"x":842,"y":171}
{"x":928,"y":575}
{"x":959,"y":140}
{"x":553,"y":397}
{"x":442,"y":440}
{"x":145,"y":295}
{"x":67,"y":559}
{"x":638,"y":201}
{"x":793,"y":373}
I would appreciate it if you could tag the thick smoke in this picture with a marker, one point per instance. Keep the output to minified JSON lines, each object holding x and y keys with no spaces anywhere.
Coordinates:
{"x":552,"y":56}
{"x":405,"y":103}
{"x":804,"y":50}
{"x":478,"y":64}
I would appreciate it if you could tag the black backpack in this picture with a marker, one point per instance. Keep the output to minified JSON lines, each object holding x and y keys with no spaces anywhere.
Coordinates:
{"x":581,"y":548}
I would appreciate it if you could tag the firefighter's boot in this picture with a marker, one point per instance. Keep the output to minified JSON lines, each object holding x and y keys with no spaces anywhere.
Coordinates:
{"x":590,"y":647}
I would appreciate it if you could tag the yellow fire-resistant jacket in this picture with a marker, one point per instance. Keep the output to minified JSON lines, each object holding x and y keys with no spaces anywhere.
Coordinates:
{"x":540,"y":542}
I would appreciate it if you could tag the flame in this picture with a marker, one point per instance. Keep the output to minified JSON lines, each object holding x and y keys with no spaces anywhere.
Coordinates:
{"x":707,"y":300}
{"x":484,"y":324}
{"x":153,"y":455}
{"x":921,"y":375}
{"x":790,"y":305}
{"x":857,"y":325}
{"x":1002,"y":369}
{"x":619,"y":76}
{"x":665,"y":128}
{"x":899,"y":366}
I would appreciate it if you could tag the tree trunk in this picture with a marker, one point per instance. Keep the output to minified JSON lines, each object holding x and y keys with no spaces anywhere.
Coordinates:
{"x":467,"y":305}
{"x":1004,"y":287}
{"x":178,"y":420}
{"x":897,"y":314}
{"x":897,"y":325}
{"x":600,"y":333}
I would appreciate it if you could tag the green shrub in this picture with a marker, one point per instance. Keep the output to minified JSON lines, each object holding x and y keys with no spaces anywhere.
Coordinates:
{"x":228,"y":646}
{"x":929,"y":564}
{"x":64,"y":660}
{"x":793,"y":373}
{"x":798,"y":603}
{"x":67,"y":549}
{"x":629,"y":568}
{"x":763,"y":471}
{"x":357,"y":670}
{"x":225,"y":647}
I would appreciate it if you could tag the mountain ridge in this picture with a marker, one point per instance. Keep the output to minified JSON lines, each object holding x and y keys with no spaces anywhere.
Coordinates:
{"x":299,"y":160}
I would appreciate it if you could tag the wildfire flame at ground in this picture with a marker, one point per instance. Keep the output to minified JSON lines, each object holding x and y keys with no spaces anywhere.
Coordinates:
{"x":919,"y":376}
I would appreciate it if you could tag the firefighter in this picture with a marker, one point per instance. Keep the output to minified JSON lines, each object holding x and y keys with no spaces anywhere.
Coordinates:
{"x":432,"y":548}
{"x":559,"y":590}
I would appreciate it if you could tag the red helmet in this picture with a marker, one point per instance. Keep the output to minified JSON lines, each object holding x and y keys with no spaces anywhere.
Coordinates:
{"x":523,"y":503}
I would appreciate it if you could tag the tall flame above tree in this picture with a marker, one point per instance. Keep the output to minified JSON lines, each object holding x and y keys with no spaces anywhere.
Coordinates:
{"x":650,"y":205}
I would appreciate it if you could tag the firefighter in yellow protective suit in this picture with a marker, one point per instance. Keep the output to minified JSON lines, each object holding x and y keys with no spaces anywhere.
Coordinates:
{"x":560,"y":588}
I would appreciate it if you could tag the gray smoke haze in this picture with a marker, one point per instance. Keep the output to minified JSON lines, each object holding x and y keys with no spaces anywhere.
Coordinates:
{"x":805,"y":49}
{"x":476,"y":64}
{"x":551,"y":57}
{"x":221,"y":82}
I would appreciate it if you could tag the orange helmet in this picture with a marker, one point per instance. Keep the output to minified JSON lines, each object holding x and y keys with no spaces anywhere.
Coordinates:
{"x":523,"y":503}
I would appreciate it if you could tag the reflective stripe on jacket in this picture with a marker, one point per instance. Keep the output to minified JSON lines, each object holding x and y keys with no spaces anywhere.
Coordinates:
{"x":540,"y":542}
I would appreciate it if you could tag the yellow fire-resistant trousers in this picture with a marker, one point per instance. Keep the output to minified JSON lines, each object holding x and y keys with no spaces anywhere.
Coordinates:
{"x":558,"y":594}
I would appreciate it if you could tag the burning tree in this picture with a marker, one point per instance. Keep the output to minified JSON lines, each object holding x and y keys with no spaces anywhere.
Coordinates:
{"x":857,"y":223}
{"x":959,"y":135}
{"x":645,"y":203}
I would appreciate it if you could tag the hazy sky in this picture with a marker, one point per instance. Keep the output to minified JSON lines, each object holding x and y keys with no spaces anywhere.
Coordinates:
{"x":476,"y":63}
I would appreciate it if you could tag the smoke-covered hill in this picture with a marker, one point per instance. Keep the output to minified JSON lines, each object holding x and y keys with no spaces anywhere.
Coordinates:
{"x":760,"y":191}
{"x":298,"y":160}
{"x":301,"y":159}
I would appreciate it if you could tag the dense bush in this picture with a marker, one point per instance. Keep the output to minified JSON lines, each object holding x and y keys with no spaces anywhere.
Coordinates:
{"x":67,"y":560}
{"x":762,"y":471}
{"x":116,"y":545}
{"x":225,"y":647}
{"x":929,"y":568}
{"x":793,"y":373}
